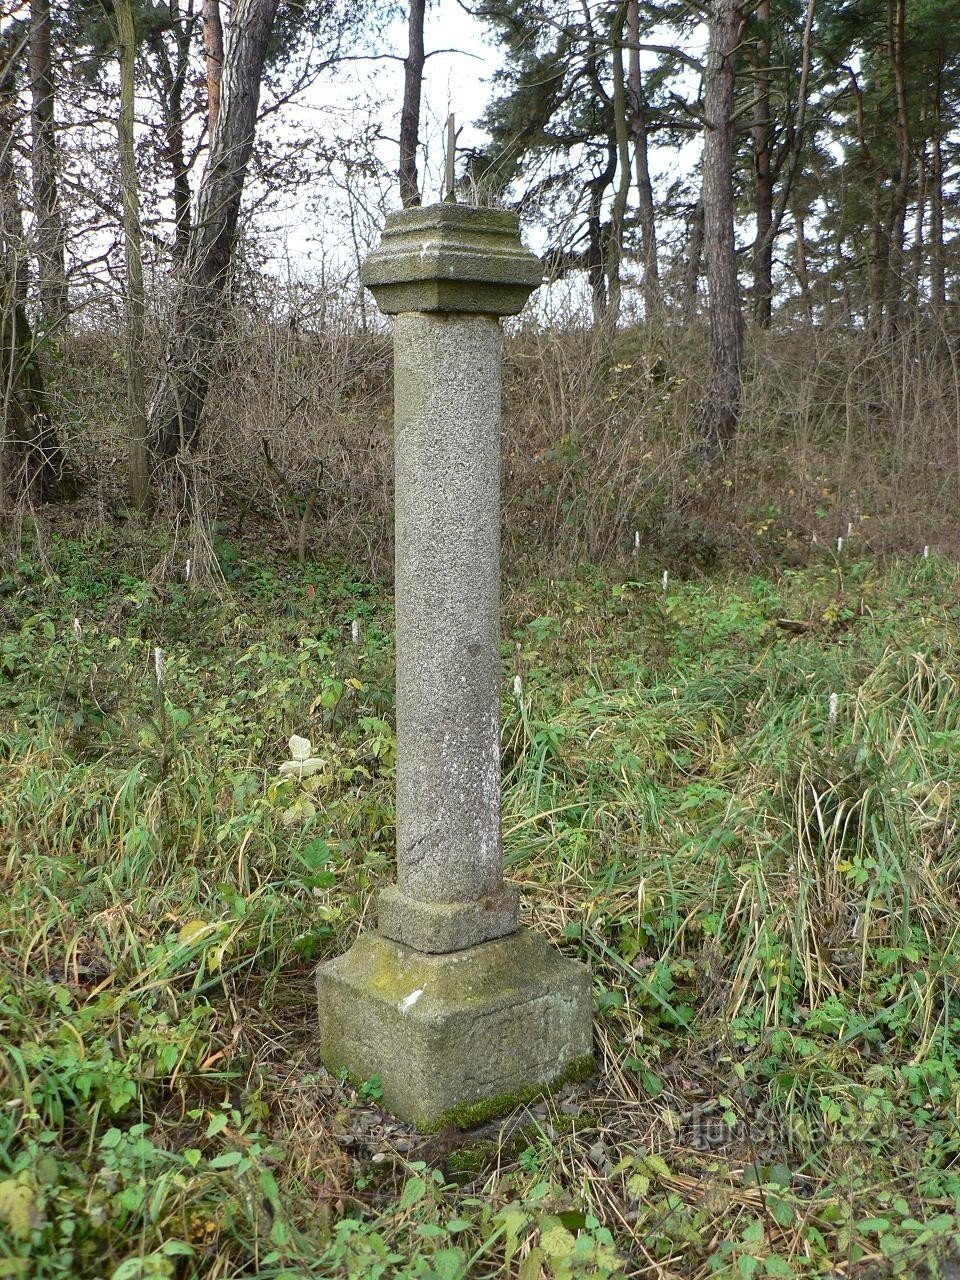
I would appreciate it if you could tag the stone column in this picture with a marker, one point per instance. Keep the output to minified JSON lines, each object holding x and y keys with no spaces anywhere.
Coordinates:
{"x":448,"y":1002}
{"x":450,"y":892}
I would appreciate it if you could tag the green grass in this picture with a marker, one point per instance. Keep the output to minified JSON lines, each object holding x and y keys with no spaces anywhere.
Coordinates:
{"x":770,"y":901}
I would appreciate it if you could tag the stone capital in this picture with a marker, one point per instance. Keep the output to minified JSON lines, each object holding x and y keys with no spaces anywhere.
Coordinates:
{"x":454,"y":258}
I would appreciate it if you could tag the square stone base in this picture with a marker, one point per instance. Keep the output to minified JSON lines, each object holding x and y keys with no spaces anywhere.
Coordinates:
{"x":458,"y":1037}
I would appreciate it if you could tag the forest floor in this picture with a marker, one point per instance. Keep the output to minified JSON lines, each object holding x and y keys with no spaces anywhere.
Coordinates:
{"x":764,"y":879}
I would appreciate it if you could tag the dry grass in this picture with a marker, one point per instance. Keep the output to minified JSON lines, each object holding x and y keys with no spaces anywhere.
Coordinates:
{"x":837,"y":432}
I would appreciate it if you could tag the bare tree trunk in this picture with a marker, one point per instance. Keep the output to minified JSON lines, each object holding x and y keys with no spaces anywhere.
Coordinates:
{"x":763,"y":180}
{"x":774,"y":210}
{"x":896,"y":19}
{"x":877,"y":267}
{"x":691,"y":283}
{"x":842,"y":261}
{"x":720,"y":411}
{"x":918,"y":251}
{"x":622,"y":144}
{"x":597,"y":240}
{"x":638,"y":129}
{"x":596,"y":258}
{"x":938,"y":278}
{"x":49,"y":230}
{"x":30,"y":446}
{"x":410,"y":112}
{"x":213,"y":47}
{"x":172,"y":82}
{"x":174,"y":415}
{"x":138,"y":452}
{"x":803,"y":275}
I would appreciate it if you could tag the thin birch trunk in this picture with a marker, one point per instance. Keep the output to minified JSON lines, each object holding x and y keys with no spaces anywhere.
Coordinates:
{"x":638,"y":129}
{"x":410,"y":112}
{"x":938,"y":278}
{"x":896,"y":17}
{"x":32,"y":457}
{"x":803,"y":274}
{"x":49,"y":231}
{"x":720,"y":411}
{"x":760,"y":132}
{"x":138,"y":452}
{"x":763,"y":247}
{"x":621,"y":194}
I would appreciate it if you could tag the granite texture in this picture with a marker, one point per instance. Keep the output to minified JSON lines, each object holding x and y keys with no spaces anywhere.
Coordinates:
{"x":445,"y":1032}
{"x":447,"y":429}
{"x":447,"y":926}
{"x":452,"y":257}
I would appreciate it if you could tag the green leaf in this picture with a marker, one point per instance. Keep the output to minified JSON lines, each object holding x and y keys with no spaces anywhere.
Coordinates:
{"x":413,"y":1192}
{"x":228,"y":1160}
{"x":573,"y":1219}
{"x":555,"y":1240}
{"x":268,"y":1187}
{"x":176,"y":1249}
{"x":193,"y":930}
{"x":514,"y":1221}
{"x":447,"y":1264}
{"x":652,"y":1084}
{"x":891,"y":1244}
{"x":781,"y":1210}
{"x":779,"y":1267}
{"x":47,"y":1171}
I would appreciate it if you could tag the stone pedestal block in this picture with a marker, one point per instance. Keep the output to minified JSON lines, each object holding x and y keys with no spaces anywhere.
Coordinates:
{"x":454,"y":1038}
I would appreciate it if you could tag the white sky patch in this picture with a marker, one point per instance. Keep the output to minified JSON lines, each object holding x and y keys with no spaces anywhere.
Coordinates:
{"x":330,"y":229}
{"x":460,"y":63}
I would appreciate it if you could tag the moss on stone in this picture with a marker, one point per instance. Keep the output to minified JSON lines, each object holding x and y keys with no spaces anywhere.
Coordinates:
{"x":456,"y":1038}
{"x":393,"y":971}
{"x":472,"y":1160}
{"x":469,"y":1115}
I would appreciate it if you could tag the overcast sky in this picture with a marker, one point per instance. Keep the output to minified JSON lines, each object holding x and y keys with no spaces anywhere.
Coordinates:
{"x":461,"y":61}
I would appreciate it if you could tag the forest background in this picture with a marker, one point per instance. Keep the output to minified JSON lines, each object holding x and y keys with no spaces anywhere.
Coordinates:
{"x":748,"y":215}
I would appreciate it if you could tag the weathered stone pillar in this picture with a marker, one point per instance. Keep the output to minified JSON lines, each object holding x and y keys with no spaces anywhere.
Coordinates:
{"x":449,"y":1004}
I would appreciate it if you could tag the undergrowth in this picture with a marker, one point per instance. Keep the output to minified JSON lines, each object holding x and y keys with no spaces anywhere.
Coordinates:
{"x":764,"y":878}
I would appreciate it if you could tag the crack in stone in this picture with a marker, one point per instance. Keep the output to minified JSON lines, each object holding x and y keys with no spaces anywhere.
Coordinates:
{"x":412,"y":858}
